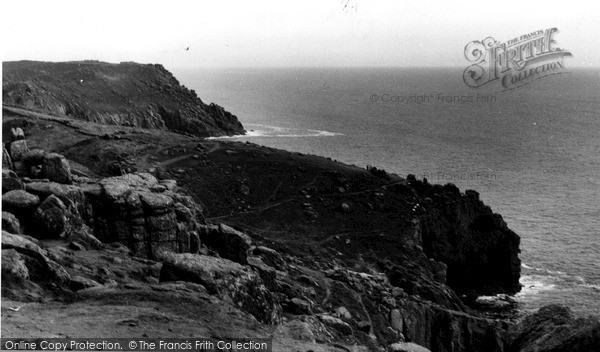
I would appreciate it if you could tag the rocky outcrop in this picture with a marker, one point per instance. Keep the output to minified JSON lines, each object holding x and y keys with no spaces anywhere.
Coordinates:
{"x":480,"y":251}
{"x":554,"y":328}
{"x":127,"y":94}
{"x":225,"y":279}
{"x":226,"y":241}
{"x":26,"y":260}
{"x":133,"y":210}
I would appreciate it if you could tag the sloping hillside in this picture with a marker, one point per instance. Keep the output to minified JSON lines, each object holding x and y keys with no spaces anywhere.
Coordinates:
{"x":126,"y":94}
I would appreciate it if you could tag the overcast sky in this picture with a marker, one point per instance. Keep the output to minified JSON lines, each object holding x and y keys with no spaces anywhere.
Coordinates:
{"x":286,"y":33}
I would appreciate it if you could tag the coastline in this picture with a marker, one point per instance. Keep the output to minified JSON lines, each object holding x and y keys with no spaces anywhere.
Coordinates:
{"x":401,"y":256}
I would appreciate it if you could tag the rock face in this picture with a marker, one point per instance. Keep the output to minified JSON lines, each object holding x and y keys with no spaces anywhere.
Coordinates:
{"x":480,"y":251}
{"x":554,"y":328}
{"x":56,"y":168}
{"x":228,"y":242}
{"x":227,"y":280}
{"x":29,"y":261}
{"x":127,"y":94}
{"x":125,"y":210}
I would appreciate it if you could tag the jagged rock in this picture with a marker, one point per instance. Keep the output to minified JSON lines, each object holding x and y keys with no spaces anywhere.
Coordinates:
{"x":474,"y":267}
{"x":269,"y":256}
{"x":225,"y":279}
{"x":554,"y":328}
{"x":267,"y":273}
{"x":52,"y":217}
{"x":226,"y":241}
{"x":407,"y":347}
{"x":10,"y":223}
{"x":69,"y":194}
{"x":13,"y":266}
{"x":17,"y":133}
{"x":40,"y":267}
{"x":336,"y":323}
{"x":18,"y":149}
{"x":56,"y":168}
{"x":19,"y":202}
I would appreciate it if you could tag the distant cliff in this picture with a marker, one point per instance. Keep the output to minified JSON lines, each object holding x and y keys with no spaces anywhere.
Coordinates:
{"x":127,"y":94}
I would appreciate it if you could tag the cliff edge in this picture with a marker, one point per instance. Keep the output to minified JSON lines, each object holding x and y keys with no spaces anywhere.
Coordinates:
{"x":126,"y":94}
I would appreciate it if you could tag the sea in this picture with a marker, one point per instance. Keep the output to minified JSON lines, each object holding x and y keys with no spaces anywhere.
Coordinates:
{"x":533,"y":153}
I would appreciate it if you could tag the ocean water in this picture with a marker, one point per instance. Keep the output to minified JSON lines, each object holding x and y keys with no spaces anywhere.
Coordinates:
{"x":533,"y":153}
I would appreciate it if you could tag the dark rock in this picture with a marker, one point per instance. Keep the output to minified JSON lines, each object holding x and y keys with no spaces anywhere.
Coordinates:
{"x":18,"y":149}
{"x":56,"y":168}
{"x":10,"y":223}
{"x":10,"y":182}
{"x":267,"y":273}
{"x":40,"y":267}
{"x":226,"y":241}
{"x":225,"y":279}
{"x":298,"y":306}
{"x":554,"y":328}
{"x":51,"y":218}
{"x":34,"y":157}
{"x":19,"y":202}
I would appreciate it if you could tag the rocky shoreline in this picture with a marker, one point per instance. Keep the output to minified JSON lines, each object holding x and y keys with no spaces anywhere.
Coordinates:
{"x":137,"y":232}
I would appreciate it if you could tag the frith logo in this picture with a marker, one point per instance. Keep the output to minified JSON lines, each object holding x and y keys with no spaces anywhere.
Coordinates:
{"x":516,"y":62}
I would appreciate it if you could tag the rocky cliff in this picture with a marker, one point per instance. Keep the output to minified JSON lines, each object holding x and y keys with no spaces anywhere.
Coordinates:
{"x":127,"y":94}
{"x":144,"y":232}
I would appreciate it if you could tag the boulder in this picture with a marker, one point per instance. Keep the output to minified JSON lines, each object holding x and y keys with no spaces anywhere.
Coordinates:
{"x":56,"y":168}
{"x":554,"y":328}
{"x":17,"y":133}
{"x":18,"y":149}
{"x":19,"y":202}
{"x":72,"y":196}
{"x":51,"y":218}
{"x":226,"y":241}
{"x":396,"y":321}
{"x":10,"y":223}
{"x":10,"y":182}
{"x":227,"y":280}
{"x":39,"y":266}
{"x":13,"y":266}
